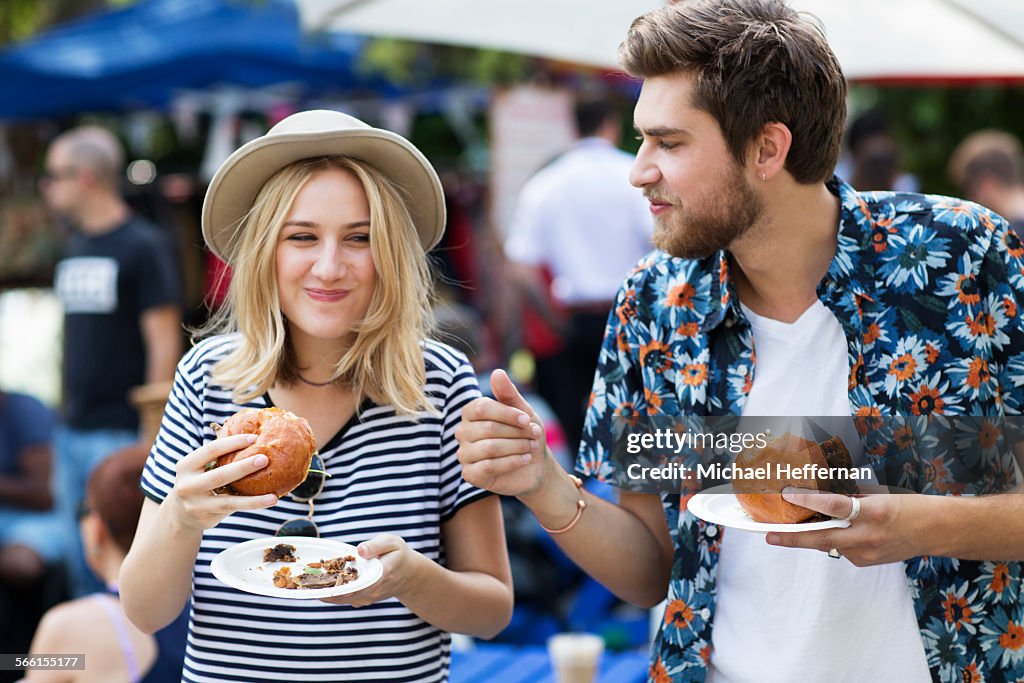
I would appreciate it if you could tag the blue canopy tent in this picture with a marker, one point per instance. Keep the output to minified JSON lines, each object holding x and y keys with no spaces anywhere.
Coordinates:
{"x":141,"y":56}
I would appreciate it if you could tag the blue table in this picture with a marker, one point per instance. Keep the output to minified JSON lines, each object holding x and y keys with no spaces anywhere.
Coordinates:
{"x":530,"y":664}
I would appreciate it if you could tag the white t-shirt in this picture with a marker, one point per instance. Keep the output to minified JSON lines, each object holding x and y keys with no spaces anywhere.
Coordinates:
{"x":786,"y":614}
{"x":581,"y":218}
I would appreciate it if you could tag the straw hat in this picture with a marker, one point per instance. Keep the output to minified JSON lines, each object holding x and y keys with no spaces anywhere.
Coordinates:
{"x":319,"y":133}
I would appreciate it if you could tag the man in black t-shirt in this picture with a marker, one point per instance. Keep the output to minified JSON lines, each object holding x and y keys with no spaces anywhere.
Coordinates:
{"x":119,"y":284}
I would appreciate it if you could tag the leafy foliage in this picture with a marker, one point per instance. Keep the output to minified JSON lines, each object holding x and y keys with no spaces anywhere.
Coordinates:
{"x":404,"y":62}
{"x":20,"y":19}
{"x":928,"y":122}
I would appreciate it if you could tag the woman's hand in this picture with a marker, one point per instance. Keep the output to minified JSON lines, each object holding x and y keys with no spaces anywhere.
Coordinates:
{"x":193,"y":501}
{"x":400,"y":571}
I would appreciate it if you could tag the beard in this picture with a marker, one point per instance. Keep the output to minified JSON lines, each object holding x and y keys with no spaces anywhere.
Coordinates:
{"x":711,"y":222}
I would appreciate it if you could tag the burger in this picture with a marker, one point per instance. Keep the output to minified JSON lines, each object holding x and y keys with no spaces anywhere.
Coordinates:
{"x":810,"y":463}
{"x":285,"y":438}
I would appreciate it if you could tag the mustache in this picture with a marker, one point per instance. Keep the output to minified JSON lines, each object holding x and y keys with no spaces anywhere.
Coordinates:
{"x":661,"y":198}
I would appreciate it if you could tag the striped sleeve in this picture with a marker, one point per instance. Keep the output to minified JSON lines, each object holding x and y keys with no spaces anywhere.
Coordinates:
{"x":462,"y":388}
{"x":181,"y":430}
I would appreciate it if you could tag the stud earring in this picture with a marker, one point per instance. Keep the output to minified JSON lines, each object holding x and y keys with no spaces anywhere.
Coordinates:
{"x":764,"y":178}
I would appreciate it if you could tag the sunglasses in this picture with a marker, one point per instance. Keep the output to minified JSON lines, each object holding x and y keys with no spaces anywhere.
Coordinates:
{"x":311,"y":487}
{"x":55,"y":175}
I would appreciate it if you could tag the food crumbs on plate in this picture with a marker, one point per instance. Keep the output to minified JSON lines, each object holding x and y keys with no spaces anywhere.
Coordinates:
{"x":283,"y":578}
{"x":282,"y":552}
{"x":322,"y":574}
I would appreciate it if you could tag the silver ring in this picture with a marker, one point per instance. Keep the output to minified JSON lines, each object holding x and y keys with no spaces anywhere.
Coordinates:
{"x":854,"y":511}
{"x":835,"y":554}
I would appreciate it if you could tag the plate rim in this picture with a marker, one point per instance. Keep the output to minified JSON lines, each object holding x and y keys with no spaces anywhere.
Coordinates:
{"x":219,"y":572}
{"x":754,"y":526}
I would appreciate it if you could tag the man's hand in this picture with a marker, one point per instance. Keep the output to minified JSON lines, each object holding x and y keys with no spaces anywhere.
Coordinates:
{"x":501,"y":442}
{"x":889,"y":527}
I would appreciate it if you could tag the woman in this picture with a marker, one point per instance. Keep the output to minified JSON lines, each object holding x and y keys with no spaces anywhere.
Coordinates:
{"x":326,"y":222}
{"x":94,"y":627}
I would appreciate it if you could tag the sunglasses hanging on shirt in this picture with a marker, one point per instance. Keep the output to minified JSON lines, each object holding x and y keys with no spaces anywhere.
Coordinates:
{"x":306,"y":492}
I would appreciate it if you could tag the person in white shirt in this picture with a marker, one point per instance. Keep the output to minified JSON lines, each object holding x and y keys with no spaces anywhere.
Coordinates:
{"x":580,"y":222}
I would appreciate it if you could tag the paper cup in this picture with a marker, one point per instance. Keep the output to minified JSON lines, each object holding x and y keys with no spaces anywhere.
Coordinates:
{"x":575,"y":657}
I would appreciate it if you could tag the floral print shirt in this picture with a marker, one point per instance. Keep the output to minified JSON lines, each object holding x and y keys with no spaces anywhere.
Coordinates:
{"x":928,"y":291}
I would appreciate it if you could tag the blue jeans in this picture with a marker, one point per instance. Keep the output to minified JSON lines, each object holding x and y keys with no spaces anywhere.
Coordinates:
{"x":40,"y":531}
{"x":78,"y":454}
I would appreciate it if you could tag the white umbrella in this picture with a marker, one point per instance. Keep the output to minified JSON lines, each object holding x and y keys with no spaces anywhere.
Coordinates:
{"x":874,"y":39}
{"x":581,"y":31}
{"x":923,"y":39}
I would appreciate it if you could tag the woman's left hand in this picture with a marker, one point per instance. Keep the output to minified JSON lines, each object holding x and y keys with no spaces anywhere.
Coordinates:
{"x":399,"y":562}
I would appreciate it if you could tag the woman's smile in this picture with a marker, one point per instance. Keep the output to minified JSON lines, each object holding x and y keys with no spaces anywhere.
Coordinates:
{"x":326,"y":295}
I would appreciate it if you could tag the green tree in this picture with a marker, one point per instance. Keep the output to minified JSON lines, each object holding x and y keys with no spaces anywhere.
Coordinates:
{"x":928,"y":122}
{"x":403,"y":61}
{"x":20,"y":19}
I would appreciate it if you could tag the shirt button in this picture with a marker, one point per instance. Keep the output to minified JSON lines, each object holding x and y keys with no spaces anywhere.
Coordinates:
{"x":711,"y":531}
{"x":705,"y":614}
{"x":741,"y":368}
{"x":728,"y":322}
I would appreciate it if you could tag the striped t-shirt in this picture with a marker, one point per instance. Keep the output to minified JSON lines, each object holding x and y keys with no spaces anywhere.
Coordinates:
{"x":388,"y":474}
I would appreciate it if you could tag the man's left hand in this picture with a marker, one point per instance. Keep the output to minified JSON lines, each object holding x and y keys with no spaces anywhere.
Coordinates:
{"x":887,"y":529}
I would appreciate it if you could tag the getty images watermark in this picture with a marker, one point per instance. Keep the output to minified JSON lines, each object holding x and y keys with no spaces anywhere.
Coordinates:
{"x":938,"y":455}
{"x":782,"y":471}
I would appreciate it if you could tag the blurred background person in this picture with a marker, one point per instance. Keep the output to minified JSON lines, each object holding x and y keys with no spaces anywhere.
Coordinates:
{"x":580,"y":226}
{"x":986,"y":166}
{"x":119,"y":286}
{"x":95,"y":625}
{"x":30,"y":534}
{"x":27,"y":533}
{"x":874,"y":160}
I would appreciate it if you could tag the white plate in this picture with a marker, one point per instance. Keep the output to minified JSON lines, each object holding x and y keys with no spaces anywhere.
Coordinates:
{"x":241,"y":566}
{"x":718,"y":505}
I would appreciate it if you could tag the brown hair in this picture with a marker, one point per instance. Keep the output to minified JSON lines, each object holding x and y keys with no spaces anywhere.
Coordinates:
{"x":989,"y":152}
{"x":114,"y":495}
{"x":755,"y":62}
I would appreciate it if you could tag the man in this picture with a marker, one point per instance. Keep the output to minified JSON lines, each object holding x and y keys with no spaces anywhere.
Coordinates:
{"x":580,"y":226}
{"x":30,"y":537}
{"x":857,"y":305}
{"x":119,"y":286}
{"x":987,"y":166}
{"x":874,"y":160}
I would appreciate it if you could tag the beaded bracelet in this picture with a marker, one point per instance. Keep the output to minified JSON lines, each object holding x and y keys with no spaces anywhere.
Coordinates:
{"x":580,"y":507}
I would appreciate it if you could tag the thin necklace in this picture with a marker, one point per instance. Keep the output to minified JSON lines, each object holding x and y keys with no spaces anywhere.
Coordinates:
{"x":315,"y":384}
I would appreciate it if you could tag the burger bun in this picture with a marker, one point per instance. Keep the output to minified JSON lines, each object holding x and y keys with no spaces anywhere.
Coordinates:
{"x":762,"y":498}
{"x":285,"y":438}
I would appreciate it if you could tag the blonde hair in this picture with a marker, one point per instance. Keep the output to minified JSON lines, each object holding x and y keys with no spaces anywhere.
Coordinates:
{"x":384,"y":362}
